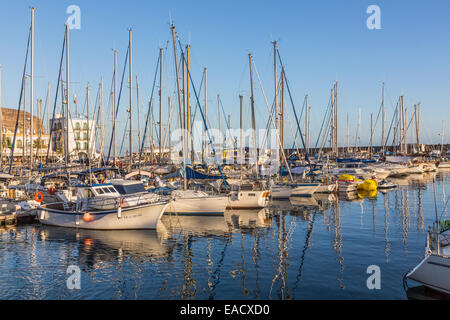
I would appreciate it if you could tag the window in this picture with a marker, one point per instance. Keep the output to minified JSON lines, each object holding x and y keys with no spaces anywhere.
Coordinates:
{"x":77,"y":136}
{"x":19,"y":144}
{"x":85,"y":146}
{"x":85,"y":135}
{"x":84,"y":125}
{"x":99,"y":190}
{"x":77,"y":126}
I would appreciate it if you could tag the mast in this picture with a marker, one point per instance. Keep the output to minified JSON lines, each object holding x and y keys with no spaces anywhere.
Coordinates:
{"x":442,"y":138}
{"x":39,"y":130}
{"x":114,"y":107}
{"x":66,"y":137}
{"x":102,"y":132}
{"x":138,"y":117}
{"x":1,"y":120}
{"x":24,"y":144}
{"x":160,"y":102}
{"x":282,"y":109}
{"x":188,"y":105}
{"x":218,"y":111}
{"x":205,"y":70}
{"x":172,"y":27}
{"x":130,"y":32}
{"x":240,"y":132}
{"x":31,"y":88}
{"x":306,"y":124}
{"x":417,"y":118}
{"x":383,"y":119}
{"x":252,"y":103}
{"x":277,"y":112}
{"x":371,"y":131}
{"x":88,"y":134}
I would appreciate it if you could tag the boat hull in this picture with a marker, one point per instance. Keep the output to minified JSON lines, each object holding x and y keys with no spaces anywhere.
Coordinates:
{"x":305,"y":190}
{"x":248,"y":199}
{"x":433,"y":272}
{"x":131,"y":218}
{"x":198,"y":206}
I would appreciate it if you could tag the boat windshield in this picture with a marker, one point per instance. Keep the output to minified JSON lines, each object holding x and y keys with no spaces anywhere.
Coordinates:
{"x":131,"y":188}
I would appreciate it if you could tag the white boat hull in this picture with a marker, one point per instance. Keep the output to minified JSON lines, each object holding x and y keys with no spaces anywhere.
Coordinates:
{"x":305,"y":190}
{"x":210,"y":205}
{"x":281,"y":192}
{"x":141,"y":217}
{"x":433,"y":272}
{"x":248,"y":199}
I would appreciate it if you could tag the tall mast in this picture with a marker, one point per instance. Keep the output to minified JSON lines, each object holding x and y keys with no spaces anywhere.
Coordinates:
{"x":306,"y":125}
{"x":383,"y":119}
{"x":282,"y":109}
{"x":31,"y":88}
{"x":442,"y":138}
{"x":102,"y":132}
{"x":1,"y":120}
{"x":275,"y":78}
{"x":371,"y":130}
{"x":252,"y":103}
{"x":88,"y":134}
{"x":188,"y":105}
{"x":131,"y":100}
{"x":218,"y":112}
{"x":160,"y":103}
{"x":417,"y":118}
{"x":172,"y":27}
{"x":205,"y":70}
{"x":24,"y":144}
{"x":114,"y":107}
{"x":39,"y":130}
{"x":240,"y":132}
{"x":66,"y":137}
{"x":138,"y":117}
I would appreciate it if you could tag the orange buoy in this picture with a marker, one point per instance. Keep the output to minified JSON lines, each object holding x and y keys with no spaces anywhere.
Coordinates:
{"x":52,"y":190}
{"x":38,"y":196}
{"x":87,"y":217}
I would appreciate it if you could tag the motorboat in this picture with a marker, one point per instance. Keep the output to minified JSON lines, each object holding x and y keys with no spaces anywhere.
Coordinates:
{"x":434,"y":269}
{"x":102,"y":207}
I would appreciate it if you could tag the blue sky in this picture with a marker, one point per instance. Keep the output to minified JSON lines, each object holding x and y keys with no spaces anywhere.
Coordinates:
{"x":320,"y":42}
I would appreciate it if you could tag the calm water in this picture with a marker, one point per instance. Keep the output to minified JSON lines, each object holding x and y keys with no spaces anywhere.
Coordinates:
{"x":310,"y":249}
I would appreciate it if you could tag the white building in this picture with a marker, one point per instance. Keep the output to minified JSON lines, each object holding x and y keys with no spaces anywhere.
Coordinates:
{"x":78,"y":136}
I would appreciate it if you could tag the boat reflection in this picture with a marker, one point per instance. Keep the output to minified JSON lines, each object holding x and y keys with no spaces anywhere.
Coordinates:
{"x":98,"y":248}
{"x":195,"y":225}
{"x":424,"y":293}
{"x":247,"y":220}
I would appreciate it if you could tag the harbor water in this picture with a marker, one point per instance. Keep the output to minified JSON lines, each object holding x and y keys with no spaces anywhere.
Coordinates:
{"x":307,"y":248}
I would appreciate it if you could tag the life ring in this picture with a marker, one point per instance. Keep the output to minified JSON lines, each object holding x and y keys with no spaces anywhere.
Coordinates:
{"x":51,"y":190}
{"x":38,"y":196}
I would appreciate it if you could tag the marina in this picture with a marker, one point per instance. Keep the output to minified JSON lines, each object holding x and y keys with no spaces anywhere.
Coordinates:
{"x":317,"y":249}
{"x":159,"y":182}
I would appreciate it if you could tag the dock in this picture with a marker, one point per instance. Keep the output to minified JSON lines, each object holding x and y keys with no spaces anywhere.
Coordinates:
{"x":18,"y":218}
